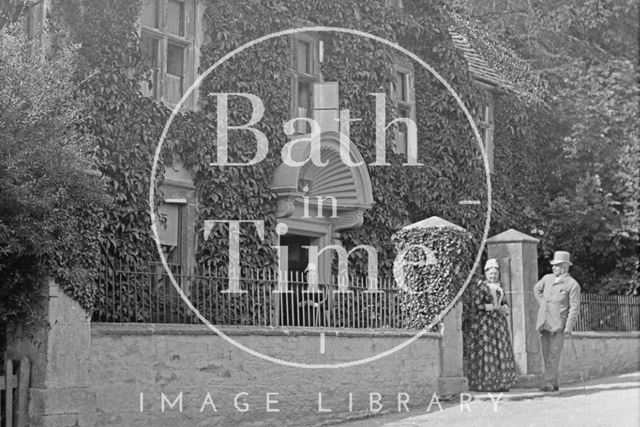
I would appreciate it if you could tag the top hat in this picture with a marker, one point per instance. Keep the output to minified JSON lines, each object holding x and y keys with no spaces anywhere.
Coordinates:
{"x":561,"y":256}
{"x":491,"y":263}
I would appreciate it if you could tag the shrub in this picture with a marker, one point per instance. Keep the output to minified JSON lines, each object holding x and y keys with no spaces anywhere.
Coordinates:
{"x":433,"y":276}
{"x":48,"y":196}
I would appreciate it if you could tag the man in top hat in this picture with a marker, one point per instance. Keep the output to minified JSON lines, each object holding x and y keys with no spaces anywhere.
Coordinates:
{"x":559,"y":297}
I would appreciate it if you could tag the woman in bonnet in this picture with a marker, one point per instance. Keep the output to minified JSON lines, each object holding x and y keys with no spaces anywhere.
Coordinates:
{"x":487,"y":344}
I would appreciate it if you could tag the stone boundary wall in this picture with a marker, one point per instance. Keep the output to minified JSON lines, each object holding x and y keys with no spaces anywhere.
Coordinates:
{"x":87,"y":374}
{"x":129,"y":359}
{"x":599,"y":354}
{"x":59,"y":390}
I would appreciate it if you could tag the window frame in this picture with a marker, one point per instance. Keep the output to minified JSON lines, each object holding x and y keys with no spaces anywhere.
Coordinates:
{"x":398,"y":4}
{"x":164,"y":37}
{"x":405,"y":68}
{"x":175,"y":254}
{"x":298,"y":76}
{"x":34,"y":14}
{"x":486,"y":122}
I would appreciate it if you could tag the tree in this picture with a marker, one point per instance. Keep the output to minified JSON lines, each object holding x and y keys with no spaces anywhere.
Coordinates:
{"x":49,"y":198}
{"x":586,"y":51}
{"x":596,"y":207}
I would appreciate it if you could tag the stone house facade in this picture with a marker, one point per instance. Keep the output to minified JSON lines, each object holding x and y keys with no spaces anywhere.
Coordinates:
{"x":318,"y":206}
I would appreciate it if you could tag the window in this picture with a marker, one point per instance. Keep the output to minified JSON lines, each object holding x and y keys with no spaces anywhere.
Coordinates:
{"x":402,"y":94}
{"x":170,"y":232}
{"x":306,"y":71}
{"x":168,"y":42}
{"x":486,"y":125}
{"x":395,"y":3}
{"x":34,"y":15}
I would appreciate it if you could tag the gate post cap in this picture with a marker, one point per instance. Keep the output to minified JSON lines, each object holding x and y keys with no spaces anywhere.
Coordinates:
{"x":512,"y":236}
{"x":433,"y":222}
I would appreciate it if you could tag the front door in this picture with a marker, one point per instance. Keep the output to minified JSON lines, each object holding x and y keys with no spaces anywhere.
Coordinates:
{"x":299,"y":308}
{"x":298,"y":256}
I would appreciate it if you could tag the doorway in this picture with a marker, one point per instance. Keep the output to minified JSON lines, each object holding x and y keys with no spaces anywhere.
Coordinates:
{"x":300,"y":308}
{"x":298,"y":256}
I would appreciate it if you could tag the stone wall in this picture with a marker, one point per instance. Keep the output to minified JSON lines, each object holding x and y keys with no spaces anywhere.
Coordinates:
{"x":599,"y":354}
{"x":129,"y":359}
{"x":59,"y":393}
{"x":87,"y":374}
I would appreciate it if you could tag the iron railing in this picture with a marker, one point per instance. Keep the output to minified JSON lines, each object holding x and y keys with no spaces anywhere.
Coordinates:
{"x":139,"y":293}
{"x":127,"y":294}
{"x":608,"y":313}
{"x":146,"y":294}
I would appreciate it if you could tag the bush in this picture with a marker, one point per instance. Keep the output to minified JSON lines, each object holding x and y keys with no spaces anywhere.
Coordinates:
{"x":48,"y":195}
{"x":433,"y":283}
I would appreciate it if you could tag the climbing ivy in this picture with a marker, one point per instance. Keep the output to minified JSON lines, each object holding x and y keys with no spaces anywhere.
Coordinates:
{"x":452,"y":168}
{"x":126,"y":126}
{"x":436,"y":262}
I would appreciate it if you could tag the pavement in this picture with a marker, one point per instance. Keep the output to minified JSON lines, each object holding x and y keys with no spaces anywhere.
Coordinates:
{"x":611,"y":401}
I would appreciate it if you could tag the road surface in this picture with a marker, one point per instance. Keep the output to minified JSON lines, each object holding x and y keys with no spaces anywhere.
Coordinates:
{"x":612,"y":401}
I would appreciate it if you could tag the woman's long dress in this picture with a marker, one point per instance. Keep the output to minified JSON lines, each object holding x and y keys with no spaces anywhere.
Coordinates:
{"x":487,"y":343}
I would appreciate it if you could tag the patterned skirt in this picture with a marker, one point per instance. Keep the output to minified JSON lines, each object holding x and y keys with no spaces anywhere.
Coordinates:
{"x":489,"y":354}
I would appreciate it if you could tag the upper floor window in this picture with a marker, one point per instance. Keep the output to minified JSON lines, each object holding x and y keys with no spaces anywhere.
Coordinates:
{"x":486,"y":125}
{"x":168,"y":41}
{"x":402,"y":94}
{"x":306,"y":72}
{"x":395,"y":3}
{"x":34,"y":15}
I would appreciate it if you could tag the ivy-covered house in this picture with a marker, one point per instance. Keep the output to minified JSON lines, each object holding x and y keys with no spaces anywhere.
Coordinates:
{"x":137,"y":59}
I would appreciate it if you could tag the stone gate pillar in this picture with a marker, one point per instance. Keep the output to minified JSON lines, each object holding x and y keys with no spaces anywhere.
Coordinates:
{"x":517,"y":254}
{"x":59,"y":393}
{"x":452,"y":380}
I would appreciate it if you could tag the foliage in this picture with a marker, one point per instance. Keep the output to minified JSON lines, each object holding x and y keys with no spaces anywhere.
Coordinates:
{"x":48,"y":195}
{"x":139,"y":293}
{"x":551,"y":34}
{"x":10,"y":11}
{"x":253,"y":307}
{"x":432,"y":276}
{"x":517,"y":73}
{"x":587,"y":52}
{"x":595,"y":208}
{"x":124,"y":126}
{"x":452,"y":167}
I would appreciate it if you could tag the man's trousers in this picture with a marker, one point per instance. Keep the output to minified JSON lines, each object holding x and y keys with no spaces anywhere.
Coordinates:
{"x":552,"y":343}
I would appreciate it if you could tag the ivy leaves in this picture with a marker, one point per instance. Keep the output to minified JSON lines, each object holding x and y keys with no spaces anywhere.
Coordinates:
{"x":436,"y":262}
{"x":126,"y":126}
{"x":362,"y":67}
{"x":49,"y":195}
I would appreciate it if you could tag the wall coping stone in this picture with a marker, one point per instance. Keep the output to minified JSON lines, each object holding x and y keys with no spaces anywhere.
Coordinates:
{"x":632,"y":335}
{"x":105,"y":328}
